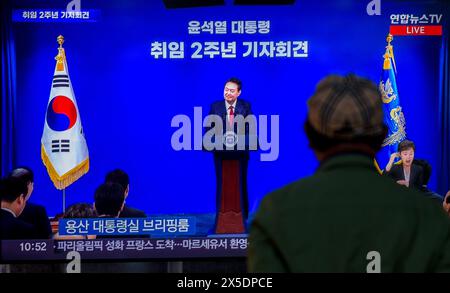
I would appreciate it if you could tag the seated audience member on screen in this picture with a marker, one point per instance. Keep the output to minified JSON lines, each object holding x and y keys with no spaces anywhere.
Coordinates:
{"x":13,"y":193}
{"x":33,"y":214}
{"x":109,"y":200}
{"x":379,"y":226}
{"x":76,"y":211}
{"x":406,"y":173}
{"x":120,"y":177}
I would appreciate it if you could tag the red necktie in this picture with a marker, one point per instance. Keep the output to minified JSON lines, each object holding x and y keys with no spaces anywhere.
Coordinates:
{"x":231,"y":120}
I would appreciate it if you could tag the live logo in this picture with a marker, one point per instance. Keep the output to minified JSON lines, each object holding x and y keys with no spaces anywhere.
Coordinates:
{"x":416,"y":30}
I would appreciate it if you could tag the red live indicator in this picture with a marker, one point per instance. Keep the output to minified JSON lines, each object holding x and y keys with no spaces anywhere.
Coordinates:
{"x":416,"y":30}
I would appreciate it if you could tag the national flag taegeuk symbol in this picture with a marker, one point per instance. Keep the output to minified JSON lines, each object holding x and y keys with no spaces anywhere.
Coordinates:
{"x":64,"y":151}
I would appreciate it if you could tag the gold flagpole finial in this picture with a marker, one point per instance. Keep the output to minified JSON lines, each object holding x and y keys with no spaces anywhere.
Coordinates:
{"x":60,"y":57}
{"x":60,"y":40}
{"x":389,"y":39}
{"x":389,"y":54}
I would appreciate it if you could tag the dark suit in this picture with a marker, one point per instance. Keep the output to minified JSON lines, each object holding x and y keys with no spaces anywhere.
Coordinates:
{"x":242,"y":108}
{"x":13,"y":228}
{"x":129,"y":212}
{"x":415,"y":178}
{"x":36,"y":215}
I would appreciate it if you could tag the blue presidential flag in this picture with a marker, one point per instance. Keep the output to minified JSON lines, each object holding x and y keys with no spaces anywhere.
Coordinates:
{"x":393,"y":114}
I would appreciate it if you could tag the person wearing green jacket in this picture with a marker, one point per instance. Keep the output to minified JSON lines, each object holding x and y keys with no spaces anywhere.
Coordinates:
{"x":346,"y":217}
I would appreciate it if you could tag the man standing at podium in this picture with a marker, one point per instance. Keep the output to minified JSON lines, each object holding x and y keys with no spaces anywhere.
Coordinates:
{"x":231,"y":165}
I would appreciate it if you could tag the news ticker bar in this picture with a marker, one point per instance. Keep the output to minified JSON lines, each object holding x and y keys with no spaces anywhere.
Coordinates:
{"x":125,"y":248}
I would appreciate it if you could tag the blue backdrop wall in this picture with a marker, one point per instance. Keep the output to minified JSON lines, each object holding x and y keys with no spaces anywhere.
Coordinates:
{"x":127,"y":98}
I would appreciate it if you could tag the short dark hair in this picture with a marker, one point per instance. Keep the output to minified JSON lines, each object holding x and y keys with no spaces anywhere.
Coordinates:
{"x":24,"y":173}
{"x":320,"y":142}
{"x":236,"y":81}
{"x":118,"y":176}
{"x":11,"y":188}
{"x":80,"y":210}
{"x":109,"y":198}
{"x":406,"y":144}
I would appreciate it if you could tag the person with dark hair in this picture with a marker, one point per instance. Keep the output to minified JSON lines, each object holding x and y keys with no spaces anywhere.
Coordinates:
{"x":13,"y":192}
{"x":33,"y":214}
{"x":406,"y":173}
{"x":80,"y":210}
{"x":109,"y":200}
{"x":346,"y":216}
{"x":120,"y":177}
{"x":27,"y":176}
{"x":75,"y":211}
{"x":231,"y":212}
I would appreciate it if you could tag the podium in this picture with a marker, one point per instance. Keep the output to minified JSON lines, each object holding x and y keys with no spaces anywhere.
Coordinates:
{"x":231,"y":154}
{"x":231,"y":176}
{"x":230,"y":217}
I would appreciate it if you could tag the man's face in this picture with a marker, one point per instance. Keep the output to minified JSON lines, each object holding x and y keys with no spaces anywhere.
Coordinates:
{"x":407,"y":156}
{"x":30,"y":190}
{"x":231,"y":93}
{"x":21,"y":203}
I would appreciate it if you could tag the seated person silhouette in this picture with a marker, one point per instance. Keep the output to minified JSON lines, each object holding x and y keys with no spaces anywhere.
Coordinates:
{"x":109,"y":202}
{"x":120,"y":177}
{"x":76,"y":211}
{"x":33,"y":214}
{"x":13,"y":193}
{"x":406,"y":173}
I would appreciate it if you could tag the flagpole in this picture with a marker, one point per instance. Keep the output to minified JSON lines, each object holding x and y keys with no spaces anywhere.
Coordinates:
{"x":64,"y":200}
{"x":63,"y":145}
